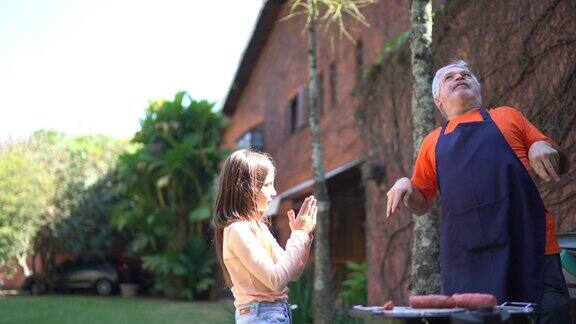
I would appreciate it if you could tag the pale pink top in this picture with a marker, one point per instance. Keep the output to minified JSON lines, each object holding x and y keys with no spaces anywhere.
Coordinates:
{"x":259,"y":268}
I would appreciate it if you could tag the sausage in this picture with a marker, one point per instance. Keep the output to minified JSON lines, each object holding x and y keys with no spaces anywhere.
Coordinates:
{"x":389,"y":305}
{"x":431,"y":301}
{"x":474,"y":300}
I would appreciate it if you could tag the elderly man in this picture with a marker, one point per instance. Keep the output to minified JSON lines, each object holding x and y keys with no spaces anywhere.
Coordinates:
{"x":496,"y":236}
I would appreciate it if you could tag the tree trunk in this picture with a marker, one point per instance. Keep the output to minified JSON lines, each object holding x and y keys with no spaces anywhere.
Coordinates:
{"x":322,"y":270}
{"x":180,"y":238}
{"x":426,"y":247}
{"x":23,"y":264}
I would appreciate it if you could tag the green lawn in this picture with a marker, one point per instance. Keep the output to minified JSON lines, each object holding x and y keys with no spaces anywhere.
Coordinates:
{"x":112,"y":310}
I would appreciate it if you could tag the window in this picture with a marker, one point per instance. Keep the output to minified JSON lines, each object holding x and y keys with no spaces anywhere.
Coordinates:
{"x":359,"y":60}
{"x":296,"y":112}
{"x":293,"y":114}
{"x":333,"y":84}
{"x":252,"y":139}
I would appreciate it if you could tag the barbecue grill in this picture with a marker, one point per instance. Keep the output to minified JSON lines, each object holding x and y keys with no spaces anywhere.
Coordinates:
{"x":516,"y":313}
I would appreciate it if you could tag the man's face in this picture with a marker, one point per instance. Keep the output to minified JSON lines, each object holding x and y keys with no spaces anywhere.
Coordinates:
{"x":457,"y":85}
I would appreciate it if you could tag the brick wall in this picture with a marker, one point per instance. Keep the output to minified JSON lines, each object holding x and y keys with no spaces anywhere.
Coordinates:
{"x":522,"y":51}
{"x":282,"y":70}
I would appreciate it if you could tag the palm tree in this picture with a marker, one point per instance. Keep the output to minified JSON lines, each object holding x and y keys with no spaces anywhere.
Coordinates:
{"x":169,"y":178}
{"x":425,"y":248}
{"x":332,"y":12}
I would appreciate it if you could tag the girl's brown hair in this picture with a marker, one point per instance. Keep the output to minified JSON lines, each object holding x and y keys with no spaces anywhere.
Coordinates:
{"x":241,"y":179}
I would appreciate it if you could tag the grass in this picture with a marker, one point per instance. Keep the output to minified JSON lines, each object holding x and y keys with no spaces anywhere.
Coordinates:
{"x":112,"y":310}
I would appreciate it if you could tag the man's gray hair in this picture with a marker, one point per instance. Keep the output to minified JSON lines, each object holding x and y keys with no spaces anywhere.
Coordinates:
{"x":440,"y":73}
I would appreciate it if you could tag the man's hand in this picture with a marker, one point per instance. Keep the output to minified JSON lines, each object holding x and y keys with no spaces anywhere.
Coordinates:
{"x":401,"y":190}
{"x":545,"y":160}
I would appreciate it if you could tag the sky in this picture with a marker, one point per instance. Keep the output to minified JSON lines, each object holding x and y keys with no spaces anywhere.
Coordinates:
{"x":91,"y":66}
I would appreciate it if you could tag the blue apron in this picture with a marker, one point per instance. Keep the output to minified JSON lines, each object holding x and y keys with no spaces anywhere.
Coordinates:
{"x":493,"y":222}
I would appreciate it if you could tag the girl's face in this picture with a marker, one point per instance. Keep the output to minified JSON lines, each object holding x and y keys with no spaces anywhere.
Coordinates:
{"x":267,"y":192}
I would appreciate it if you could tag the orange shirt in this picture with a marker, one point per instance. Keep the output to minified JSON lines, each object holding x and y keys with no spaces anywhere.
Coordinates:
{"x":518,"y":132}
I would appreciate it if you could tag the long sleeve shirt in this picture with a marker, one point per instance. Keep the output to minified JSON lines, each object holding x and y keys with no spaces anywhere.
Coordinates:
{"x":259,"y":268}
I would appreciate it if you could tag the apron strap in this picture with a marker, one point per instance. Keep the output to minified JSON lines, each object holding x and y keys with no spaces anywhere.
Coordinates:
{"x":485,"y":117}
{"x":485,"y":114}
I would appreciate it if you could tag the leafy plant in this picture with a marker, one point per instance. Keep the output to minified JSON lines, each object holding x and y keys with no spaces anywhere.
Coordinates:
{"x":301,"y":297}
{"x":353,"y":292}
{"x":51,"y":199}
{"x":169,"y":179}
{"x":24,"y":194}
{"x":184,"y":275}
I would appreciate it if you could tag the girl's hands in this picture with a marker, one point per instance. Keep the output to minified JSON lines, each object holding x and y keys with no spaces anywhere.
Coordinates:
{"x":306,"y":220}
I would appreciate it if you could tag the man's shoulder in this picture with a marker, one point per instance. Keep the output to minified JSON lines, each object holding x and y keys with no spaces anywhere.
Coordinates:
{"x":505,"y":110}
{"x":430,"y":140}
{"x":507,"y":115}
{"x":432,"y":137}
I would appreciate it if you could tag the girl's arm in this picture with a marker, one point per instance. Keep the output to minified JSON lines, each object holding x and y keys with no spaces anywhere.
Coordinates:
{"x":304,"y":259}
{"x":279,"y":251}
{"x":244,"y":244}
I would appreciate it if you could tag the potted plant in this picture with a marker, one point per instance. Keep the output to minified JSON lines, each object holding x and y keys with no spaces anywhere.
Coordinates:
{"x":128,"y":277}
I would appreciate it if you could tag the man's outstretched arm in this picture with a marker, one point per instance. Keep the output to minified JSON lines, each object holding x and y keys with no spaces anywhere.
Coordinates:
{"x":548,"y":160}
{"x":402,"y":192}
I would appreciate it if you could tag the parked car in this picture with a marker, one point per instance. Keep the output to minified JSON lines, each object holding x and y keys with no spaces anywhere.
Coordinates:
{"x":98,"y":275}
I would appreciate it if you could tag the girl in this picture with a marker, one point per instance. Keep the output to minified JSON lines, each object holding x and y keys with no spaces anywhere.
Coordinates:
{"x":253,"y":264}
